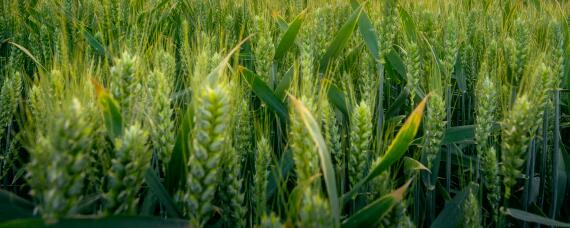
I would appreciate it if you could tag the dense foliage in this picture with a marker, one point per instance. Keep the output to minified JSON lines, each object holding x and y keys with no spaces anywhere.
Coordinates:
{"x":242,"y":113}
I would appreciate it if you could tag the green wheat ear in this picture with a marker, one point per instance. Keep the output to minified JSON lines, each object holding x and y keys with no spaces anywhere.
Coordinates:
{"x":125,"y":83}
{"x":9,"y":98}
{"x":315,"y":211}
{"x":162,"y":132}
{"x":209,"y":142}
{"x":515,"y":136}
{"x":434,"y":126}
{"x":270,"y":221}
{"x":471,"y":211}
{"x":130,"y":162}
{"x":262,"y":162}
{"x":303,"y":148}
{"x":360,"y":136}
{"x":229,"y":190}
{"x":486,"y":106}
{"x":58,"y":162}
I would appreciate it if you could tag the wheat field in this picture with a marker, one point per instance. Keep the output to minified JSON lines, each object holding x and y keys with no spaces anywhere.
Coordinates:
{"x":293,"y":113}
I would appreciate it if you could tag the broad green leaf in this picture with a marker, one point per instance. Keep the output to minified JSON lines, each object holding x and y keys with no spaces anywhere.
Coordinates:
{"x":158,"y":189}
{"x":177,"y":169}
{"x":111,"y":111}
{"x":264,"y":93}
{"x":288,"y":39}
{"x":28,"y":53}
{"x":341,"y":40}
{"x":370,"y":215}
{"x":452,"y":213}
{"x":367,"y":31}
{"x":530,"y":217}
{"x":459,"y":134}
{"x":14,"y":207}
{"x":338,"y":99}
{"x":284,"y":84}
{"x":397,"y":148}
{"x":326,"y":164}
{"x":117,"y":221}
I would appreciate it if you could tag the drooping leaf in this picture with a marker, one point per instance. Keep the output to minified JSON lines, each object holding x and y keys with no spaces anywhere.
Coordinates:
{"x":158,"y":189}
{"x":288,"y":39}
{"x":265,"y":93}
{"x":397,"y":148}
{"x":370,"y":215}
{"x":530,"y":217}
{"x":326,"y":164}
{"x":341,"y":40}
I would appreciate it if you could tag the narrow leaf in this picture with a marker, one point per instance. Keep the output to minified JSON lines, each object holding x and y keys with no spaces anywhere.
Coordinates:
{"x":158,"y":189}
{"x":264,"y":93}
{"x":111,"y":111}
{"x":177,"y":166}
{"x":284,"y":84}
{"x":338,"y":99}
{"x":367,"y":31}
{"x":452,"y":213}
{"x":370,"y":215}
{"x":28,"y":53}
{"x":341,"y":39}
{"x":530,"y":217}
{"x":326,"y":164}
{"x":288,"y":39}
{"x":397,"y":148}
